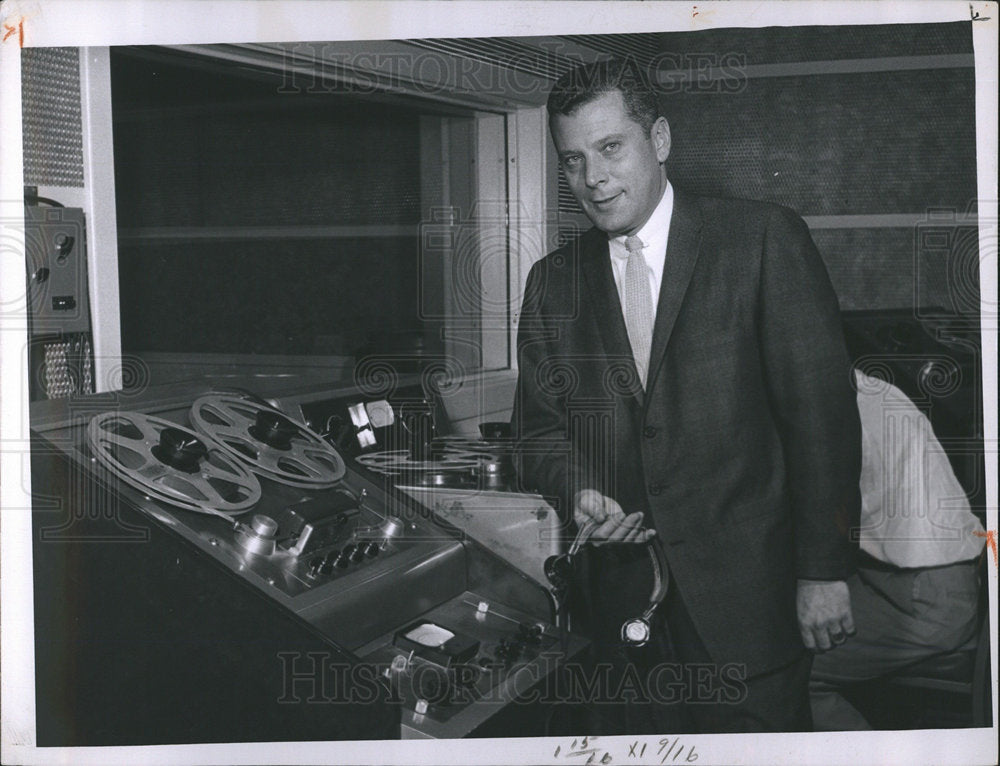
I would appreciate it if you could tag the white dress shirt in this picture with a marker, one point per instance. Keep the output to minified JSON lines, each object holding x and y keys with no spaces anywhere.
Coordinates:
{"x":654,"y":248}
{"x":914,"y":513}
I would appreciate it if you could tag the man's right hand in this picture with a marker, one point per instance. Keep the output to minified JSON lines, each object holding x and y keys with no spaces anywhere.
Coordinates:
{"x":614,"y":526}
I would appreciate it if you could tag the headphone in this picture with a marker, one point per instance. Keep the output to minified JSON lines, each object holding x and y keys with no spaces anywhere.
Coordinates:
{"x":635,"y":631}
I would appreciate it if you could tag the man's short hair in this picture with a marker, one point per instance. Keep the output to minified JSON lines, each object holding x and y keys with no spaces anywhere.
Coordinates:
{"x":587,"y":82}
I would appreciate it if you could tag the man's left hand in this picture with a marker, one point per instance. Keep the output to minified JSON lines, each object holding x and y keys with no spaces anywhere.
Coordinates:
{"x":824,"y":609}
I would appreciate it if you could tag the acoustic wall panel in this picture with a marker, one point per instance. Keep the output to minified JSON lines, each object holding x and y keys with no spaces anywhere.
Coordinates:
{"x":846,"y":144}
{"x":50,"y":114}
{"x":928,"y":265}
{"x":869,"y":267}
{"x":772,"y":45}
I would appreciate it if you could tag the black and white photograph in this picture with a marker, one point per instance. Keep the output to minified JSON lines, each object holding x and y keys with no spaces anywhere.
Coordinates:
{"x":583,"y":382}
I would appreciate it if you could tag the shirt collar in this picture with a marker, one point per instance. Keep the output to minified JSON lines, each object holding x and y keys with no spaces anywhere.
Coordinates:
{"x":654,"y":232}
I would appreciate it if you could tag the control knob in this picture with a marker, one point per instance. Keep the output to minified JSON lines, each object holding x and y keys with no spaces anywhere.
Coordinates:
{"x":393,"y":527}
{"x":358,"y":554}
{"x":328,"y":562}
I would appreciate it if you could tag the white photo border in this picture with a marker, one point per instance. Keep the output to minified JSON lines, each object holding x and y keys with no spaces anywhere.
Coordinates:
{"x":140,"y":22}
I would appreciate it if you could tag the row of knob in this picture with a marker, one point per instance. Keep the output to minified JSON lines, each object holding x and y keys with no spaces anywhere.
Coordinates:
{"x":341,"y":559}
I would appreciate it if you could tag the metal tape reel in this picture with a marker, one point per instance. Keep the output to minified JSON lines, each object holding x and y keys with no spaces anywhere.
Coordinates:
{"x":394,"y":462}
{"x":268,"y":441}
{"x":131,"y":444}
{"x":471,"y":445}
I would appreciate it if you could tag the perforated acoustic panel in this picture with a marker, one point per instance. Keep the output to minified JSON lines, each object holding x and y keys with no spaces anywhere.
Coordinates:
{"x":773,"y":45}
{"x":502,"y":51}
{"x":643,"y":48}
{"x":844,"y":144}
{"x":50,"y":114}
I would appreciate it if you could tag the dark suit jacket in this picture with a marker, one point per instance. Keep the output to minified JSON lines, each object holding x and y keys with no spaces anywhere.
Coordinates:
{"x":744,"y":450}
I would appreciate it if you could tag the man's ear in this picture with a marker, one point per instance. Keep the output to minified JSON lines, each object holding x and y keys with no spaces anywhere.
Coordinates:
{"x":660,"y":136}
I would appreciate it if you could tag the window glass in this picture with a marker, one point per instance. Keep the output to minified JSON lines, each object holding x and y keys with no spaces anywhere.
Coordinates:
{"x":258,"y":219}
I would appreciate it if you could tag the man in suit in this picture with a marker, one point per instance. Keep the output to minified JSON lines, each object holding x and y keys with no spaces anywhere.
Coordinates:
{"x":700,"y":393}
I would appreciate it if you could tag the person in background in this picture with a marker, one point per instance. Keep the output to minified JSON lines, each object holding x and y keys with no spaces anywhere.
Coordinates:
{"x":683,"y":373}
{"x":916,"y":591}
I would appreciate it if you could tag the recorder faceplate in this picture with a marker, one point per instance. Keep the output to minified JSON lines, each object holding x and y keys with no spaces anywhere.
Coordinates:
{"x":250,"y":492}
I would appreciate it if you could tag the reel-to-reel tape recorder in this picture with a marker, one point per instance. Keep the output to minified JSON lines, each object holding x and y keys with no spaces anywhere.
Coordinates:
{"x":229,"y":518}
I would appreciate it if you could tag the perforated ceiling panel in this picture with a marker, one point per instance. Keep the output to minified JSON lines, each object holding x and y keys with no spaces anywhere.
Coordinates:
{"x":503,"y":51}
{"x":641,"y":47}
{"x":53,"y":134}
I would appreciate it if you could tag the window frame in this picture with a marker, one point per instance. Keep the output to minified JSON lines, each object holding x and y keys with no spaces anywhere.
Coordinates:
{"x":515,"y":179}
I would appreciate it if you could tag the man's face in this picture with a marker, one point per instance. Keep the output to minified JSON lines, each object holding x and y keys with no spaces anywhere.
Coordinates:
{"x":612,"y":164}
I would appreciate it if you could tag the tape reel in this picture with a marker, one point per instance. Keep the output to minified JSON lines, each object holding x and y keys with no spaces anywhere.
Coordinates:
{"x":171,"y":463}
{"x":268,"y":441}
{"x":396,"y":462}
{"x":469,"y":444}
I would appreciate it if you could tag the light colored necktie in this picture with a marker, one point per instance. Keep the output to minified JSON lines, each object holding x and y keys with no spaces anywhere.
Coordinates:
{"x":638,"y":306}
